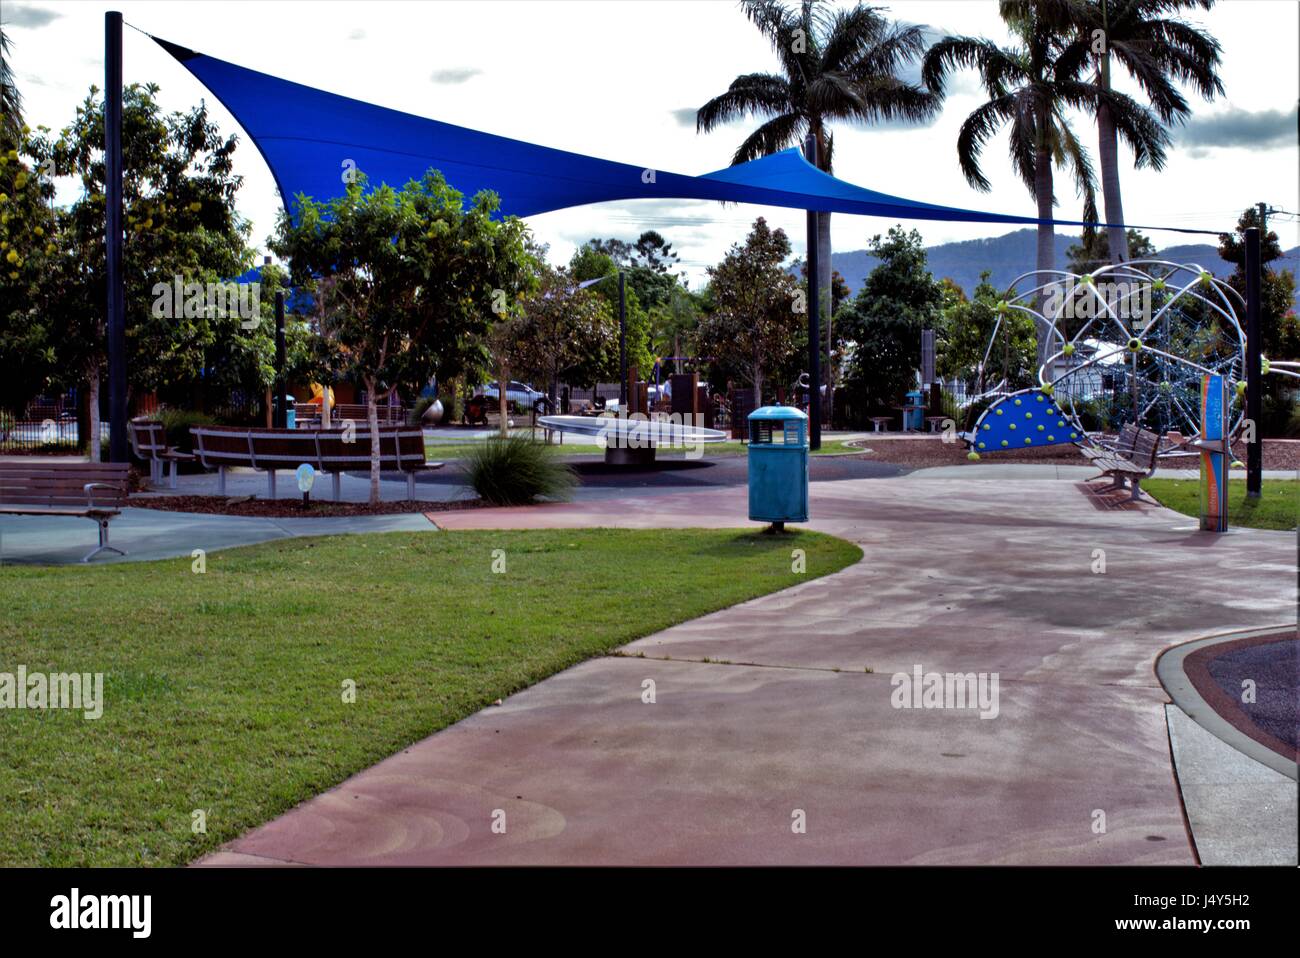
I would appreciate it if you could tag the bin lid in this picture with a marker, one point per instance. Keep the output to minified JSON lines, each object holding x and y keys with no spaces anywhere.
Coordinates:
{"x":777,"y":412}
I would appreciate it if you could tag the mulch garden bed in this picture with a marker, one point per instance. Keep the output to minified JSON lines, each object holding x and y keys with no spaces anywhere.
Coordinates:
{"x":292,"y":508}
{"x":919,"y":453}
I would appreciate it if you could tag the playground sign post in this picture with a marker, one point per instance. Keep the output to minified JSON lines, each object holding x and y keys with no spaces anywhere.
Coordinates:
{"x":1215,"y":453}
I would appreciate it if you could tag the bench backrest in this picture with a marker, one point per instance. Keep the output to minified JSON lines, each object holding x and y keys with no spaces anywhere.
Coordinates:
{"x":327,"y":450}
{"x":1127,"y":437}
{"x":1146,"y":446}
{"x":63,"y":483}
{"x":148,"y":438}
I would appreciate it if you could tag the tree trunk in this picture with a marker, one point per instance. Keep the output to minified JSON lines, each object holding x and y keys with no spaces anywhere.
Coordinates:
{"x":372,"y":420}
{"x":502,"y":402}
{"x":758,"y":388}
{"x":1108,"y":152}
{"x":1046,"y":260}
{"x":824,"y":306}
{"x":92,"y":400}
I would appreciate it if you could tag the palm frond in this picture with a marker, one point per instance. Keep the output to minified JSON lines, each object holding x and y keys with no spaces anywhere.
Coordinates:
{"x":975,"y":132}
{"x":997,"y":68}
{"x":760,"y":94}
{"x":778,"y":133}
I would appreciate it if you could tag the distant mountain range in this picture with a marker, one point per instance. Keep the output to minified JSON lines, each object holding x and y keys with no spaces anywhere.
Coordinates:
{"x":1011,"y":255}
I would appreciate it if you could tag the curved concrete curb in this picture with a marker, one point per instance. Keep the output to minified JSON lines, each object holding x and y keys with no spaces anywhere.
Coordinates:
{"x":1170,"y":672}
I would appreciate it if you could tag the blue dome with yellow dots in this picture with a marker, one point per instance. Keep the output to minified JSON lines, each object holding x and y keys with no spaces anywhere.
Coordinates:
{"x":1029,"y":418}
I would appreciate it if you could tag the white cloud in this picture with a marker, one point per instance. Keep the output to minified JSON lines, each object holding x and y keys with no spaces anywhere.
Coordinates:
{"x":613,"y":80}
{"x":26,"y":15}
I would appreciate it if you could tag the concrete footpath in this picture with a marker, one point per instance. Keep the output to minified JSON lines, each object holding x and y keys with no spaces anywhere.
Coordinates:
{"x":148,"y":534}
{"x":774,"y":735}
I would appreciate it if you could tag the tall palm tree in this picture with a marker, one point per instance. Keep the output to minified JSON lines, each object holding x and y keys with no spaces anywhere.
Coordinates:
{"x":834,"y":65}
{"x":1159,"y":50}
{"x":11,"y":102}
{"x":1028,"y":90}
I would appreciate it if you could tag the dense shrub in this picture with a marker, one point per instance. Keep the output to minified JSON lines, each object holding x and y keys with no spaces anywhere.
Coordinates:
{"x":516,"y":471}
{"x":177,"y":422}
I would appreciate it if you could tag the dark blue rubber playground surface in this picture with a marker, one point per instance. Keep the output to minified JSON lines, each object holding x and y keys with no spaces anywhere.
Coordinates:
{"x":1272,"y":664}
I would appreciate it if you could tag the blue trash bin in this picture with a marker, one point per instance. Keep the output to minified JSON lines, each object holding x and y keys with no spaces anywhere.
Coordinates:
{"x":778,"y":465}
{"x":290,"y":414}
{"x":914,"y":413}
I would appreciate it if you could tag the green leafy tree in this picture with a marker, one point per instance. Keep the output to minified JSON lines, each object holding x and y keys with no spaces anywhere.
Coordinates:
{"x":883,"y":322}
{"x":834,"y":65}
{"x":1277,"y":316}
{"x":28,"y":242}
{"x":180,"y":225}
{"x":756,"y":311}
{"x":401,"y":277}
{"x":561,"y":332}
{"x":655,"y":253}
{"x":1093,"y":250}
{"x":592,"y":261}
{"x":673,"y":323}
{"x":966,"y":337}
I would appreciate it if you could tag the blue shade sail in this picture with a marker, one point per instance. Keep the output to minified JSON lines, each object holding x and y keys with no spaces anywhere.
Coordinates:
{"x":311,"y":139}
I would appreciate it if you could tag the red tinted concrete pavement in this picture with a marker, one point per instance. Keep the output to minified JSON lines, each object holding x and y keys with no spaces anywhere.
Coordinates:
{"x":961,"y":576}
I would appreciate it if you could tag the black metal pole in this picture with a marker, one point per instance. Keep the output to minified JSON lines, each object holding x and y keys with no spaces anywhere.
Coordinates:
{"x":280,"y":415}
{"x":622,"y":342}
{"x":814,"y":321}
{"x":1254,"y":376}
{"x":115,"y":319}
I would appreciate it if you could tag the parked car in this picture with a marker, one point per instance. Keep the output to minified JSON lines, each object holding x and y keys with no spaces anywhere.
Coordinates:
{"x":520,"y":394}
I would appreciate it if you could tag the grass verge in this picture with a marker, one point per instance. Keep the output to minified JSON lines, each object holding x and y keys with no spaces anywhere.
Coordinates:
{"x":224,"y":690}
{"x":1277,"y":508}
{"x":446,"y":451}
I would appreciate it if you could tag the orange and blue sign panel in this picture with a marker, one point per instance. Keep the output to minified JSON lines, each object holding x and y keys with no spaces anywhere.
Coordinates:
{"x":1214,"y":455}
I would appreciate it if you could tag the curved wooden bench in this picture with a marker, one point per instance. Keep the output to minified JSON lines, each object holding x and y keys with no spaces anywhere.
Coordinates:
{"x":149,"y":442}
{"x":401,"y":449}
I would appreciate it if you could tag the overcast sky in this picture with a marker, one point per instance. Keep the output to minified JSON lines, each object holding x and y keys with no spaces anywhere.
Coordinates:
{"x":620,"y":80}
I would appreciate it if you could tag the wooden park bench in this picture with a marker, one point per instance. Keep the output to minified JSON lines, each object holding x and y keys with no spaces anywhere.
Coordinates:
{"x":1134,"y":461}
{"x":335,"y":451}
{"x":89,"y":490}
{"x":149,"y":442}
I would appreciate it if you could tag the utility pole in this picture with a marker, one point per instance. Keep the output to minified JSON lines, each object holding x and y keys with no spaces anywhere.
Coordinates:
{"x":622,"y":342}
{"x":1254,"y":374}
{"x":814,"y":323}
{"x":115,"y":318}
{"x":280,"y":415}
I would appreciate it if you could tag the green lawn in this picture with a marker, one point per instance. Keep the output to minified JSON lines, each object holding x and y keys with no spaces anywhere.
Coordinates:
{"x":449,"y":451}
{"x":1277,"y":508}
{"x":224,"y":690}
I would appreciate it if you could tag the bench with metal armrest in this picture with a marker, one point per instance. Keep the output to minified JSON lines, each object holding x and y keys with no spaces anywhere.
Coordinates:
{"x":88,"y":490}
{"x":1135,"y":463}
